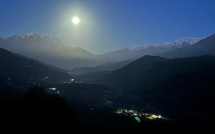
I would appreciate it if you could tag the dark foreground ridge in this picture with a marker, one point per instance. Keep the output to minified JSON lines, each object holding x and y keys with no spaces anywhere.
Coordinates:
{"x":39,"y":111}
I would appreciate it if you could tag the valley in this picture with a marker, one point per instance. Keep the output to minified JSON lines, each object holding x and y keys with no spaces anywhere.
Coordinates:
{"x":150,"y":91}
{"x":107,"y":66}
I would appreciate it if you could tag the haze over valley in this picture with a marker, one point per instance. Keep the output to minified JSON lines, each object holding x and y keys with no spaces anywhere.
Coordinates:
{"x":107,"y":66}
{"x":52,"y":51}
{"x":138,"y":78}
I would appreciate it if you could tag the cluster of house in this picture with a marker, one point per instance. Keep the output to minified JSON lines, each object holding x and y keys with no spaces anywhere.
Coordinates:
{"x":53,"y":90}
{"x":133,"y":113}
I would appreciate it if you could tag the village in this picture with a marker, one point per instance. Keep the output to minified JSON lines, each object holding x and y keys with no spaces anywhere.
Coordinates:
{"x":138,"y":115}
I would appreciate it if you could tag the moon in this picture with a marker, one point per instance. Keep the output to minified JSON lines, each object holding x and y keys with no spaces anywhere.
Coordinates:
{"x":75,"y":20}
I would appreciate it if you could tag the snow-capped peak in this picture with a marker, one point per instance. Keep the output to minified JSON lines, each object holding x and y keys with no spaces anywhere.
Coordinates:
{"x":164,"y":44}
{"x":176,"y":44}
{"x":51,"y":39}
{"x":186,"y":41}
{"x":30,"y":36}
{"x":138,"y":47}
{"x":33,"y":37}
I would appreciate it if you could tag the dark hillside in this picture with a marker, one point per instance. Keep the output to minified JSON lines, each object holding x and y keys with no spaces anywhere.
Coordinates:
{"x":21,"y":68}
{"x":176,"y":86}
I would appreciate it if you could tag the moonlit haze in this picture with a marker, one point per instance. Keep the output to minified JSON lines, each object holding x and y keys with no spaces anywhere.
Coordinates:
{"x":107,"y":66}
{"x":108,"y":25}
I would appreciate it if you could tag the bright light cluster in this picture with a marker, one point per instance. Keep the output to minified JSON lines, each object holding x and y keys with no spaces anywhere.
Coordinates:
{"x":75,"y":20}
{"x":133,"y":113}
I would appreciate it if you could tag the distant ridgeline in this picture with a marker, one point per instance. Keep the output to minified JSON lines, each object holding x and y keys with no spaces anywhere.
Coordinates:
{"x":16,"y":67}
{"x":52,"y":51}
{"x":173,"y":85}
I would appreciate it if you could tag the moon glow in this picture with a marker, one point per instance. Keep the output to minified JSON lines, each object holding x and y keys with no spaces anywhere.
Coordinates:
{"x":75,"y":20}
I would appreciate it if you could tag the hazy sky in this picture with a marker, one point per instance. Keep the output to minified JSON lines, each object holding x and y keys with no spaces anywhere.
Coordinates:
{"x":108,"y":24}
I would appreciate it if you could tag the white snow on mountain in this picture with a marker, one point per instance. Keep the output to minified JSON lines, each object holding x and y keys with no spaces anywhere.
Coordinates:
{"x":37,"y":39}
{"x":32,"y":37}
{"x":49,"y":50}
{"x":185,"y":41}
{"x":52,"y":51}
{"x":176,"y":44}
{"x":137,"y":48}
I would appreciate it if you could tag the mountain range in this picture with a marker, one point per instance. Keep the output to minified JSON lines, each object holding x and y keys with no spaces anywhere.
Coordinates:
{"x":19,"y":68}
{"x":141,"y":50}
{"x":52,"y":51}
{"x":203,"y":47}
{"x":176,"y":79}
{"x":173,"y":85}
{"x":49,"y":50}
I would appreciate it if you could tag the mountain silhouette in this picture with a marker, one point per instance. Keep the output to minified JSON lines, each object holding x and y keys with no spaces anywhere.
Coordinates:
{"x":49,"y":50}
{"x":171,"y":85}
{"x":17,"y":67}
{"x":203,"y":47}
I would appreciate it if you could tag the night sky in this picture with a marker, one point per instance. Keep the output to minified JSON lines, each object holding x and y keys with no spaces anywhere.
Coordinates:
{"x":107,"y":25}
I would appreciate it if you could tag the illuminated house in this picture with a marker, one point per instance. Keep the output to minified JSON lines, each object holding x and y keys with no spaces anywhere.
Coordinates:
{"x":53,"y":90}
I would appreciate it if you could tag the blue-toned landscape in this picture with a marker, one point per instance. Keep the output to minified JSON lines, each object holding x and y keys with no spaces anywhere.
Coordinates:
{"x":107,"y":66}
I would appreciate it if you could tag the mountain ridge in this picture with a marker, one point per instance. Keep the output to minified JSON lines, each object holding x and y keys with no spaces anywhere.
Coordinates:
{"x":180,"y":85}
{"x":52,"y":51}
{"x":48,"y":49}
{"x":18,"y":67}
{"x":205,"y":46}
{"x":136,"y":52}
{"x":147,"y":67}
